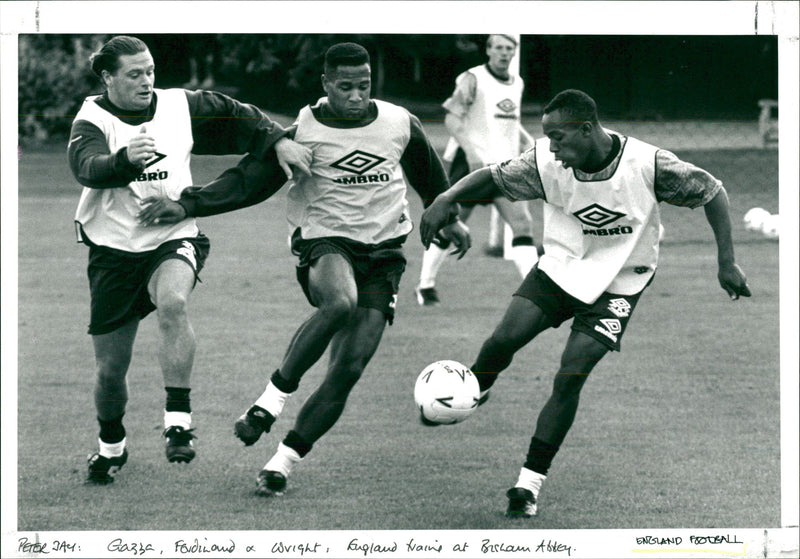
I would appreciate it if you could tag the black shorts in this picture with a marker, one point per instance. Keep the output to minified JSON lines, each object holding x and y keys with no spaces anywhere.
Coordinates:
{"x":459,"y":169}
{"x":377,"y":268}
{"x":118,"y":279}
{"x":604,"y":320}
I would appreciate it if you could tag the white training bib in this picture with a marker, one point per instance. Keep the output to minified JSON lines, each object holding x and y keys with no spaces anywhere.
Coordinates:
{"x":108,"y":215}
{"x":600,"y":231}
{"x":357,"y":188}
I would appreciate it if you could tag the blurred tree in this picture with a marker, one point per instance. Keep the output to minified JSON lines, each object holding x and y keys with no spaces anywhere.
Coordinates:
{"x":282,"y":72}
{"x":54,"y":79}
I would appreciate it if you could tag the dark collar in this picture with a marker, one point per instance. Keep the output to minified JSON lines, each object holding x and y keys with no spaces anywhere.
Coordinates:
{"x":323,"y":113}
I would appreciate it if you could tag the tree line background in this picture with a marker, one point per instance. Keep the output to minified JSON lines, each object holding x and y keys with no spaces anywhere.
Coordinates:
{"x":632,"y":77}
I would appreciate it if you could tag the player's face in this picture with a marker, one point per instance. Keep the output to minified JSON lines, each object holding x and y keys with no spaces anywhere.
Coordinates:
{"x":130,"y":87}
{"x":501,"y":51}
{"x":570,"y":142}
{"x":348,"y":89}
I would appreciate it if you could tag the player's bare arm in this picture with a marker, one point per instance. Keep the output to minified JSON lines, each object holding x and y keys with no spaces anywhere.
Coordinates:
{"x":475,"y":186}
{"x":730,"y":275}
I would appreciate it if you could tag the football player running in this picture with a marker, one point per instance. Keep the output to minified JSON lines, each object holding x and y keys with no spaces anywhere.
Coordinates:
{"x":348,"y":219}
{"x":132,"y":142}
{"x":484,"y":121}
{"x":601,"y":238}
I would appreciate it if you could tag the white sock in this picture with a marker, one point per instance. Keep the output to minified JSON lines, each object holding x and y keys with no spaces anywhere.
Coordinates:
{"x":530,"y":480}
{"x":177,"y":419}
{"x":272,"y":400}
{"x":111,"y":450}
{"x":283,"y":460}
{"x":525,"y":257}
{"x":432,"y":260}
{"x":496,"y":228}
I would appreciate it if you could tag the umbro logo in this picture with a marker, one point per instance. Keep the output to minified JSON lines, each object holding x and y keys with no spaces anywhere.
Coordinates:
{"x":620,"y":307}
{"x":609,"y":327}
{"x":596,"y":215}
{"x":612,"y":325}
{"x":156,"y":158}
{"x":507,"y":106}
{"x":358,"y":162}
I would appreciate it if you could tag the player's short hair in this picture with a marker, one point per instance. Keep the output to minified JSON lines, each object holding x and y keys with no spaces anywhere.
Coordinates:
{"x":345,"y":54}
{"x":576,"y":104}
{"x":107,"y":58}
{"x":490,"y":39}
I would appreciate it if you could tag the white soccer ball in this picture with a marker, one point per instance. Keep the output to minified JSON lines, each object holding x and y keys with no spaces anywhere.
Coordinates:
{"x":446,"y":392}
{"x":770,"y":227}
{"x":754,"y":219}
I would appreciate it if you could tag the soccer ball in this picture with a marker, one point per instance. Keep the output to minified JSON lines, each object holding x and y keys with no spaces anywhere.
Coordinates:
{"x":770,"y":227}
{"x":446,"y":392}
{"x":754,"y":219}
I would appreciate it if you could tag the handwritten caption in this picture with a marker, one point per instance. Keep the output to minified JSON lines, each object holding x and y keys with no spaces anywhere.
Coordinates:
{"x":356,"y":547}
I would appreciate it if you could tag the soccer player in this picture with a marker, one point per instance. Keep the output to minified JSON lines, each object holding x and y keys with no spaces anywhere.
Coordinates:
{"x":131,"y":142}
{"x":483,"y":118}
{"x":349,"y":220}
{"x":601,"y":236}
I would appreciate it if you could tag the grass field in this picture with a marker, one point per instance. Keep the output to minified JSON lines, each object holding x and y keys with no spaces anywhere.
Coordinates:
{"x":681,"y":429}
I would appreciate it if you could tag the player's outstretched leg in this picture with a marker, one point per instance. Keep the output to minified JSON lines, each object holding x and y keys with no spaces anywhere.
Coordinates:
{"x":580,"y":356}
{"x":113,"y":356}
{"x":169,"y":288}
{"x":332,"y":289}
{"x":522,"y":321}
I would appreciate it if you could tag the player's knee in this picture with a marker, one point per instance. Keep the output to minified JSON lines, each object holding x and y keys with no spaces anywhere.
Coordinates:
{"x":568,"y":384}
{"x":582,"y":352}
{"x":111,"y":369}
{"x":505,"y":339}
{"x":347,"y":376}
{"x":339,"y":309}
{"x":171,"y":307}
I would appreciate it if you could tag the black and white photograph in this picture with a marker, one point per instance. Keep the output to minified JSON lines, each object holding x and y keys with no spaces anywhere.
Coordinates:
{"x":400,"y":279}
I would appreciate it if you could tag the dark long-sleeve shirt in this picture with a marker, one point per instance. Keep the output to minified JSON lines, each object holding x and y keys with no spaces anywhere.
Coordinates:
{"x":219,"y":125}
{"x":253,"y":181}
{"x":182,"y":123}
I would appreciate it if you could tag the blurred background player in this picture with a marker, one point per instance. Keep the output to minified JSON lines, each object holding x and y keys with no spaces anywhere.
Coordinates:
{"x":484,"y":121}
{"x":601,"y":238}
{"x":129,"y":143}
{"x":204,"y":59}
{"x":349,"y":220}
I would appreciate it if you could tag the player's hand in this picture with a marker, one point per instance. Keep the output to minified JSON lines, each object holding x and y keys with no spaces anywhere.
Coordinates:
{"x":733,"y":281}
{"x":291,"y":154}
{"x":458,"y":234}
{"x":434,"y":218}
{"x":157,"y":210}
{"x":141,"y":148}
